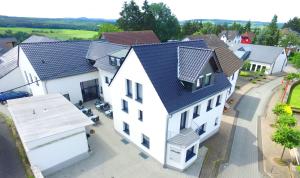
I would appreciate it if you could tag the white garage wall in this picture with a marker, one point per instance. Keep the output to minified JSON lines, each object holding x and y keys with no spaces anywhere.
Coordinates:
{"x":279,"y":63}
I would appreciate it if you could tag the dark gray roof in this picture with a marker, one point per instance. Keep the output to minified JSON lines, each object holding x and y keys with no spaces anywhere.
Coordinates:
{"x":258,"y":53}
{"x":230,"y":34}
{"x":53,"y":60}
{"x":8,"y":61}
{"x":100,"y":52}
{"x":212,"y":40}
{"x":160,"y":63}
{"x":185,"y":138}
{"x":191,"y":61}
{"x":37,"y":39}
{"x":3,"y":44}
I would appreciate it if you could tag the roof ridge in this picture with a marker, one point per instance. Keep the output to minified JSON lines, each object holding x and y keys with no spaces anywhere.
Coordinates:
{"x":100,"y":41}
{"x":129,"y":31}
{"x":65,"y":41}
{"x":198,"y":48}
{"x":166,"y":43}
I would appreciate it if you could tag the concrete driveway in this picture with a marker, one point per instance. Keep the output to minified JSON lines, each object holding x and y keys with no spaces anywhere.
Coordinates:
{"x":10,"y":163}
{"x":112,"y":158}
{"x":246,"y":157}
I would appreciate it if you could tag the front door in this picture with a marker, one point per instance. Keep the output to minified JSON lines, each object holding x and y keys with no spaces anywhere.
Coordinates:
{"x":183,"y":120}
{"x":89,"y":90}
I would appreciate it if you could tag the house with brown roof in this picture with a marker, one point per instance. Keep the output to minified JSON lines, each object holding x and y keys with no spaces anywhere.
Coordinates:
{"x":131,"y":37}
{"x":229,"y":62}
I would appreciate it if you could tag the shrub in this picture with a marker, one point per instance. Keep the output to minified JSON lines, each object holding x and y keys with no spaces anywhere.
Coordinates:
{"x":282,"y":109}
{"x":245,"y":74}
{"x":287,"y":120}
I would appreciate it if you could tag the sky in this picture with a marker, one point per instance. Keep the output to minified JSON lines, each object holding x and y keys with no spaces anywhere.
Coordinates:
{"x":254,"y":10}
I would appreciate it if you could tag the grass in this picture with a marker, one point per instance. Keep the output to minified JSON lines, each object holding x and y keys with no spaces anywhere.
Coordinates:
{"x":19,"y":145}
{"x":61,"y":34}
{"x":245,"y":74}
{"x":295,"y":97}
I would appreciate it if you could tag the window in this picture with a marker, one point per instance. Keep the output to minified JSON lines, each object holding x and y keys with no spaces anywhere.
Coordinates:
{"x":201,"y":130}
{"x":216,"y":121}
{"x":229,"y":91}
{"x":125,"y":106}
{"x":126,"y":128}
{"x":232,"y":78}
{"x":106,"y":80}
{"x":253,"y":67}
{"x":26,"y":77}
{"x":30,"y":76}
{"x":128,"y":88}
{"x":183,"y":120}
{"x":199,"y":82}
{"x":207,"y":79}
{"x":139,"y":92}
{"x":263,"y":69}
{"x":190,"y":153}
{"x":101,"y":90}
{"x":145,"y":141}
{"x":140,"y":113}
{"x":196,"y":112}
{"x":209,"y":105}
{"x":218,"y":100}
{"x":112,"y":61}
{"x":258,"y":67}
{"x":36,"y":81}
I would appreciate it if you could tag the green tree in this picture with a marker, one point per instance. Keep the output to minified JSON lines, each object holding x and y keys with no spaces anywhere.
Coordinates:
{"x":108,"y":27}
{"x":190,"y":27}
{"x":247,"y":27}
{"x":286,"y":120}
{"x":148,"y":17}
{"x":246,"y":65}
{"x":131,"y":17}
{"x":293,"y":24}
{"x":273,"y":32}
{"x":287,"y":137}
{"x":295,"y":59}
{"x":290,"y":39}
{"x":236,"y":26}
{"x":166,"y":24}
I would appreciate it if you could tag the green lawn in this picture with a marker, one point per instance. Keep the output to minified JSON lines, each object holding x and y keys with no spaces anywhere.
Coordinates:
{"x":295,"y":97}
{"x":61,"y":34}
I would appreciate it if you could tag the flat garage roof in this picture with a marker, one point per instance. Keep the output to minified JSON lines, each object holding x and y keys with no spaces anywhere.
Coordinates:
{"x":37,"y":117}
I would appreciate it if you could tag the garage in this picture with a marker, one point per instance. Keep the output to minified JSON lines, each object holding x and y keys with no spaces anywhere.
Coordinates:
{"x":52,"y":130}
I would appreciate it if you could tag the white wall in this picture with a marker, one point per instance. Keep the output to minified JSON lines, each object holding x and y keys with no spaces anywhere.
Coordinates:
{"x":280,"y":62}
{"x":268,"y":66}
{"x":59,"y":151}
{"x":154,"y":112}
{"x":12,"y":80}
{"x":105,"y":87}
{"x":70,"y":85}
{"x":26,"y":66}
{"x":233,"y":83}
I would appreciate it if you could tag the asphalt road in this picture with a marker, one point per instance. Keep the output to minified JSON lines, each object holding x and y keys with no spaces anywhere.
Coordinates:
{"x":10,"y":164}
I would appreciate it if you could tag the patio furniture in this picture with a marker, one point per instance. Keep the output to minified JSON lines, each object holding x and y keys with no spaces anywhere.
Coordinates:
{"x":109,"y":113}
{"x":95,"y":119}
{"x":105,"y":107}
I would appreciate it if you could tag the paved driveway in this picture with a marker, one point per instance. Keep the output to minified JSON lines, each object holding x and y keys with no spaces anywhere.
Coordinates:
{"x":245,"y":154}
{"x":10,"y":164}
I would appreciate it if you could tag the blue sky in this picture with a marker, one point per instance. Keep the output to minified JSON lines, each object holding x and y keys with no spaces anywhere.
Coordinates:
{"x":261,"y":10}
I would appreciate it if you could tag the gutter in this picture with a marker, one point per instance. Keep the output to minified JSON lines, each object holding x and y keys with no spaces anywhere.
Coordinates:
{"x":166,"y":142}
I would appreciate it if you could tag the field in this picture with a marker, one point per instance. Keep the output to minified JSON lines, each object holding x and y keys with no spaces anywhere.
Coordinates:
{"x":61,"y":34}
{"x":295,"y":97}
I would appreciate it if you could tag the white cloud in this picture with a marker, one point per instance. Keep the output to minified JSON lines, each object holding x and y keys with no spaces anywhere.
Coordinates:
{"x":262,"y":10}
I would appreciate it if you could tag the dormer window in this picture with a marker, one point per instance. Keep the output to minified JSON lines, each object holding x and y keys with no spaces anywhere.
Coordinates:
{"x":207,"y":79}
{"x":199,"y":82}
{"x":112,"y":61}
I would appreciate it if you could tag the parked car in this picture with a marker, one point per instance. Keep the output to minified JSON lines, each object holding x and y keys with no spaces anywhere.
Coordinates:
{"x":12,"y":95}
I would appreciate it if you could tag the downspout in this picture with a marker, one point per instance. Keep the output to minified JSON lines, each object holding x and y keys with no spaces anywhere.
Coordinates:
{"x":166,"y":142}
{"x":46,"y":87}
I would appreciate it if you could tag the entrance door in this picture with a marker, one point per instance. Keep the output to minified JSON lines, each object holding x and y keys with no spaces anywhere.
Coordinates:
{"x":89,"y":90}
{"x":183,"y":120}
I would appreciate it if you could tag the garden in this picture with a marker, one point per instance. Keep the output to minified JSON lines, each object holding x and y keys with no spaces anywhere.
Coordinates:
{"x":253,"y":77}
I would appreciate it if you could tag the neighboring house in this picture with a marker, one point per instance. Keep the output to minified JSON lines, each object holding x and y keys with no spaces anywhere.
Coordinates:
{"x":230,"y":36}
{"x":131,"y":37}
{"x":270,"y":59}
{"x":10,"y":73}
{"x":229,"y":62}
{"x":59,"y":67}
{"x":6,"y":44}
{"x":247,"y":37}
{"x":108,"y":58}
{"x":52,"y":131}
{"x":168,"y":98}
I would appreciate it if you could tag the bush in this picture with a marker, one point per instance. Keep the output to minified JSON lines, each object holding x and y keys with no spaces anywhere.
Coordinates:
{"x":287,"y":120}
{"x":282,"y":109}
{"x":245,"y":74}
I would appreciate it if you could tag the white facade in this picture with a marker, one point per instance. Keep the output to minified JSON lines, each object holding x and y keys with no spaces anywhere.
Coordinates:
{"x":233,"y":78}
{"x":157,"y":124}
{"x":236,"y":40}
{"x":65,"y":86}
{"x":104,"y":80}
{"x":13,"y":79}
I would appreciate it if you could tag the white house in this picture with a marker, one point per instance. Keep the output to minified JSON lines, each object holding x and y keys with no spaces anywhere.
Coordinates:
{"x":59,"y":67}
{"x":229,"y":62}
{"x":270,"y":59}
{"x":169,"y":97}
{"x":50,"y":143}
{"x":230,"y":36}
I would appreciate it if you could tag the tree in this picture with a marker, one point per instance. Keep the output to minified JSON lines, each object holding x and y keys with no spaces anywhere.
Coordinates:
{"x":246,"y":65}
{"x":287,"y":137}
{"x":293,"y":24}
{"x":190,"y":27}
{"x":166,"y":24}
{"x":286,"y":120}
{"x":236,"y":26}
{"x":289,"y":39}
{"x":148,"y":17}
{"x":131,"y":17}
{"x":295,"y":59}
{"x":108,"y":27}
{"x":273,"y":32}
{"x":247,"y":27}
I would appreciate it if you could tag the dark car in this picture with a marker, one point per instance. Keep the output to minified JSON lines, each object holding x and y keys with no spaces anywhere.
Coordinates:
{"x":12,"y":95}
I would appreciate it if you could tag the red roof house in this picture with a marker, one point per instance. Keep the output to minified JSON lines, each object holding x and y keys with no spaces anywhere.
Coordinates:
{"x":247,"y":37}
